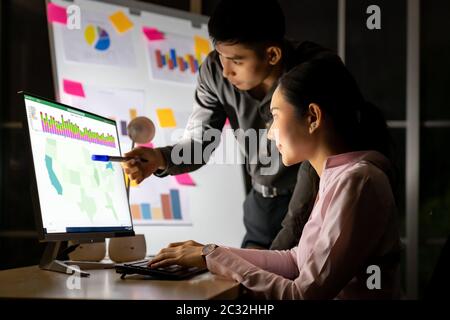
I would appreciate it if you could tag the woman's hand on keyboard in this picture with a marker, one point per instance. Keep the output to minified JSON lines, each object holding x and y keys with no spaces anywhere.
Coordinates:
{"x":187,"y":254}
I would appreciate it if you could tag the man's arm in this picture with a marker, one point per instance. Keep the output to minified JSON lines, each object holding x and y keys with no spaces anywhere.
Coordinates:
{"x":208,"y":113}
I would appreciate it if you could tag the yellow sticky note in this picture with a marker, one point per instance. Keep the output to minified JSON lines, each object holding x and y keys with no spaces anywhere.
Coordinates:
{"x":166,"y":118}
{"x":133,"y":114}
{"x":120,"y":22}
{"x":202,"y":47}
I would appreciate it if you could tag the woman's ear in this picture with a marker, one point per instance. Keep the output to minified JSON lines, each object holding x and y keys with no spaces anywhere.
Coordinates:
{"x":314,"y":117}
{"x":274,"y":55}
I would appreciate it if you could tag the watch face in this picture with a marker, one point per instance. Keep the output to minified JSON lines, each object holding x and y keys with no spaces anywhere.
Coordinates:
{"x":208,"y":249}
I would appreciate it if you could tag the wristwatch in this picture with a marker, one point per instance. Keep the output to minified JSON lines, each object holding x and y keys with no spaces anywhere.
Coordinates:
{"x":207,"y":249}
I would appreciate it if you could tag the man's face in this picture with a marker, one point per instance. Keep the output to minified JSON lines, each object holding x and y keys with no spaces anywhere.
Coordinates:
{"x":242,"y":66}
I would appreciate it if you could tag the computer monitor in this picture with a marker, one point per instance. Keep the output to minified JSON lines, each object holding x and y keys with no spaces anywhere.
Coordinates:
{"x":75,"y":198}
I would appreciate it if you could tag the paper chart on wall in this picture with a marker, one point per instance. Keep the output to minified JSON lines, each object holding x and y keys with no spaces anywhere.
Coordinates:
{"x":175,"y":57}
{"x":98,"y":41}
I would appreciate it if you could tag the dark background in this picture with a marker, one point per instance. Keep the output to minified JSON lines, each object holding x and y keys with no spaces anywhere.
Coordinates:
{"x":377,"y":58}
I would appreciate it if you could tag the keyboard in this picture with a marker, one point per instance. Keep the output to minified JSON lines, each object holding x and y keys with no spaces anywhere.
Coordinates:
{"x":173,"y":272}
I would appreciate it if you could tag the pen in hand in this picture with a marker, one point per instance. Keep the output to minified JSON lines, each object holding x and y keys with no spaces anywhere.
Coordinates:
{"x":106,"y":158}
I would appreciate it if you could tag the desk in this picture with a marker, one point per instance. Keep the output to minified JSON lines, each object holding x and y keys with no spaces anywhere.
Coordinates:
{"x":31,"y":282}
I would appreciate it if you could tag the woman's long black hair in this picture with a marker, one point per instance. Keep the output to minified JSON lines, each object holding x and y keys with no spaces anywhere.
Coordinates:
{"x":327,"y":82}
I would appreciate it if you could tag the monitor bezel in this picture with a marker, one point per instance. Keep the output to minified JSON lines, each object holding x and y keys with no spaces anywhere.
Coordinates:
{"x":42,"y":235}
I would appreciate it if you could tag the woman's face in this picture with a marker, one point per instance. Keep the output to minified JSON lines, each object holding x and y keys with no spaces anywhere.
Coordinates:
{"x":290,"y":133}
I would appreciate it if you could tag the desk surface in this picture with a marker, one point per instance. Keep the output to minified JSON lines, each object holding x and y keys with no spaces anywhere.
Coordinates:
{"x":31,"y":282}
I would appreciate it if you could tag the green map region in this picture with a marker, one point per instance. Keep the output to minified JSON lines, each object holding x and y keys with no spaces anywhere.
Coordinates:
{"x":86,"y":185}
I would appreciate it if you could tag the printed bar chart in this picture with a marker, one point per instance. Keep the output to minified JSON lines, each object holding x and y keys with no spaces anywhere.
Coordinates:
{"x":173,"y":61}
{"x":170,"y":209}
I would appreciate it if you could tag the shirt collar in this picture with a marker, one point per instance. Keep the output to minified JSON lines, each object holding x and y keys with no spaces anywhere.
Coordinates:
{"x":342,"y":159}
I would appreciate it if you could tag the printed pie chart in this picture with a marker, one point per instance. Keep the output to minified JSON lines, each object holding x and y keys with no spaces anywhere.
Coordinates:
{"x":97,"y":37}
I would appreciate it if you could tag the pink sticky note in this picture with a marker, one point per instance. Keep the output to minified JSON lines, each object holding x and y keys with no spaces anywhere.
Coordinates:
{"x":56,"y":13}
{"x":146,"y":145}
{"x":74,"y":88}
{"x":185,"y":179}
{"x":153,"y":33}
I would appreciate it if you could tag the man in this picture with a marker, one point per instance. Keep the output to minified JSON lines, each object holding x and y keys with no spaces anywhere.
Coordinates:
{"x":236,"y":81}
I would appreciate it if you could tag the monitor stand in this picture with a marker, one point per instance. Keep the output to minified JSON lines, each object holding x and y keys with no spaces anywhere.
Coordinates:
{"x":49,"y":262}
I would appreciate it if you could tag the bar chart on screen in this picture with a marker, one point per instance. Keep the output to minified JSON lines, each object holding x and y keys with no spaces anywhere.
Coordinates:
{"x":66,"y":128}
{"x":70,"y":124}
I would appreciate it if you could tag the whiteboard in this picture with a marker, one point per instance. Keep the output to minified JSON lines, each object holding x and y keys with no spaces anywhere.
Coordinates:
{"x":135,"y":59}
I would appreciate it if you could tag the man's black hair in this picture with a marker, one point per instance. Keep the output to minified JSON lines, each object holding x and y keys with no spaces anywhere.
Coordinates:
{"x":249,"y":22}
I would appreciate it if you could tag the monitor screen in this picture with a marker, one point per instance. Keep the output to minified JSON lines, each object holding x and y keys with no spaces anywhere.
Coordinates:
{"x":76,"y":194}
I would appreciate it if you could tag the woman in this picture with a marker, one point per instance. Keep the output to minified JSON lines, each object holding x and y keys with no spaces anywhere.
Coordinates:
{"x":320,"y":115}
